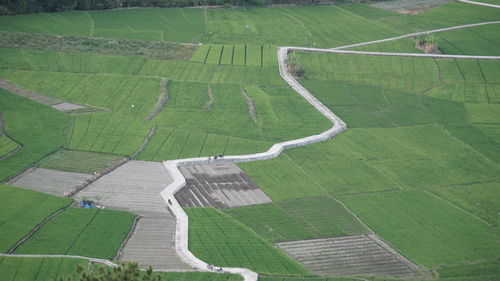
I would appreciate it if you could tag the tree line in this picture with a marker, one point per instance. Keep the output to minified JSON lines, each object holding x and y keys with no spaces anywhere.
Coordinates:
{"x":16,"y":7}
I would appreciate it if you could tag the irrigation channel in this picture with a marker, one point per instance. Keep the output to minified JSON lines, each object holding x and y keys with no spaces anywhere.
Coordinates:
{"x":172,"y":166}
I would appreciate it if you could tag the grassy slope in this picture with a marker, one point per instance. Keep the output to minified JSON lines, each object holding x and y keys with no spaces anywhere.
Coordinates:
{"x":219,"y":239}
{"x":38,"y":128}
{"x":82,"y":232}
{"x":6,"y":145}
{"x":306,"y":218}
{"x":21,"y":210}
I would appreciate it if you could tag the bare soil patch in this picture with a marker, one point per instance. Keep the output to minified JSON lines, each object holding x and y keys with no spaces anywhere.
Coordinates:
{"x":221,"y":185}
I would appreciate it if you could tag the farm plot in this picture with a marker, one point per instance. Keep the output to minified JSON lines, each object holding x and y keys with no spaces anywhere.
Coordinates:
{"x":487,"y":271}
{"x":427,"y":229}
{"x":152,"y":244}
{"x":132,"y":95}
{"x":38,"y":128}
{"x":21,"y":211}
{"x":107,"y":132}
{"x":372,"y":160}
{"x":351,"y":255}
{"x":38,"y":269}
{"x":50,"y":181}
{"x":221,"y":185}
{"x":219,"y":239}
{"x":7,"y":145}
{"x":82,"y":232}
{"x":79,"y":161}
{"x":304,"y":218}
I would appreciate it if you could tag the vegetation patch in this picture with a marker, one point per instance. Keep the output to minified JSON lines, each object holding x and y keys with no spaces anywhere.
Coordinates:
{"x":22,"y":210}
{"x":81,"y":232}
{"x":79,"y":161}
{"x":218,"y":239}
{"x":305,"y":218}
{"x":7,"y":146}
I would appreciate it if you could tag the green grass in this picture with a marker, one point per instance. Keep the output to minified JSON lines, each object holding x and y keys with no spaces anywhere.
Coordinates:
{"x":218,"y":239}
{"x":21,"y":210}
{"x":266,"y":278}
{"x":299,"y":219}
{"x":482,"y":271}
{"x":38,"y":128}
{"x":7,"y":145}
{"x":79,"y":161}
{"x":81,"y":232}
{"x":38,"y":269}
{"x":428,"y":230}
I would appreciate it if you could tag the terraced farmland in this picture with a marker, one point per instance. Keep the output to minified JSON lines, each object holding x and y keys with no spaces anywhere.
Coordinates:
{"x":7,"y":146}
{"x":79,"y":161}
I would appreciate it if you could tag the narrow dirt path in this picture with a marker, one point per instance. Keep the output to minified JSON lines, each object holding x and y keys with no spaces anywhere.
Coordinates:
{"x":480,"y":4}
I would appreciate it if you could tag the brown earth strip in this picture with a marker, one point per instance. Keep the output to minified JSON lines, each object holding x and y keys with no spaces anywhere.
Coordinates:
{"x":211,"y":98}
{"x":251,"y":107}
{"x":162,"y":99}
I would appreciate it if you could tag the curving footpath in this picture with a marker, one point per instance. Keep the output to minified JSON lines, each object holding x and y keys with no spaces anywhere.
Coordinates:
{"x":172,"y":166}
{"x":181,"y":236}
{"x":480,"y":4}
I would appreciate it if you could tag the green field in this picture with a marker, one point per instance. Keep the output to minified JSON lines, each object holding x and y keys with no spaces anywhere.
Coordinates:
{"x":21,"y":210}
{"x":38,"y":128}
{"x":7,"y":145}
{"x":81,"y":232}
{"x":305,"y":218}
{"x":38,"y":269}
{"x":79,"y":161}
{"x":218,"y":239}
{"x":427,"y":229}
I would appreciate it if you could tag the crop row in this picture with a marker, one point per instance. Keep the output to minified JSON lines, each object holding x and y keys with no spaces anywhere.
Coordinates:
{"x":107,"y":132}
{"x":81,"y":232}
{"x":219,"y":239}
{"x":245,"y":55}
{"x":304,"y":218}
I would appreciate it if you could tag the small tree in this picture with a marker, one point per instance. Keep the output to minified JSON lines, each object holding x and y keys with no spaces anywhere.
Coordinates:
{"x":124,"y":271}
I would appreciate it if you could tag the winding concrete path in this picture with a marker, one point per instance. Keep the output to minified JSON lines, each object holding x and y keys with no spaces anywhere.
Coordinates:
{"x":480,"y":4}
{"x":339,"y":126}
{"x":415,"y":34}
